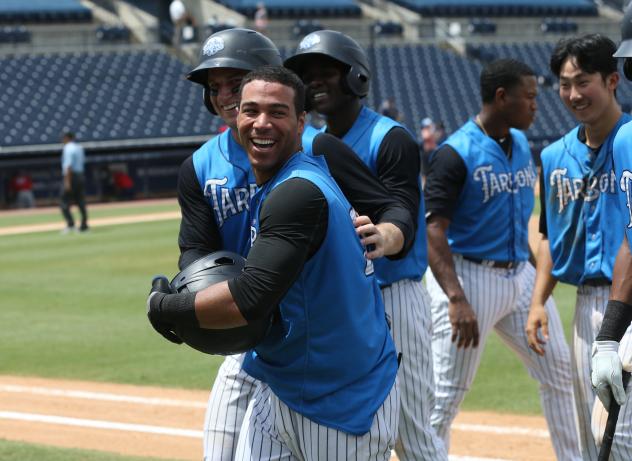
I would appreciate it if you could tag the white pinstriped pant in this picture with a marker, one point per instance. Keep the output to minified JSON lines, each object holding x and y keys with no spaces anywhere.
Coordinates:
{"x":589,"y":310}
{"x":408,"y":306}
{"x":501,"y":299}
{"x":232,"y":390}
{"x":273,"y":432}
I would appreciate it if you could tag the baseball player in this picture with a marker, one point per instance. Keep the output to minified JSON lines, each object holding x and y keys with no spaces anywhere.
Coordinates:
{"x":328,"y":367}
{"x":336,"y":71}
{"x":214,"y":188}
{"x":479,"y":197}
{"x":577,"y":192}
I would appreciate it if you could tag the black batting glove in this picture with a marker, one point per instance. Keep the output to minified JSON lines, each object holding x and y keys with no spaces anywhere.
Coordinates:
{"x":160,"y":288}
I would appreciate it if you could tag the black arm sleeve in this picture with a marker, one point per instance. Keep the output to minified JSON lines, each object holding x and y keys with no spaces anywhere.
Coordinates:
{"x":363,"y":190}
{"x":293,"y":223}
{"x":445,"y":180}
{"x":199,"y":234}
{"x":543,"y":228}
{"x":398,"y":167}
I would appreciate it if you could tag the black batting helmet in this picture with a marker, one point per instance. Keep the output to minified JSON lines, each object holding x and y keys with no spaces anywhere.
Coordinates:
{"x":340,"y":47}
{"x":234,"y":48}
{"x":209,"y":270}
{"x":625,"y":48}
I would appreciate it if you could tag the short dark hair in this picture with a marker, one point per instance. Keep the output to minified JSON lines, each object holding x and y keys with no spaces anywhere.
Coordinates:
{"x":278,"y":74}
{"x":593,"y":53}
{"x":68,"y":134}
{"x":502,"y":73}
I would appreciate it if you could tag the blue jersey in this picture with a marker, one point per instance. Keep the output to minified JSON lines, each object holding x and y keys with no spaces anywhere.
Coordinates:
{"x":335,"y":361}
{"x":365,"y":138}
{"x":580,"y":188}
{"x":227,"y":181}
{"x":622,"y":152}
{"x":492,"y":216}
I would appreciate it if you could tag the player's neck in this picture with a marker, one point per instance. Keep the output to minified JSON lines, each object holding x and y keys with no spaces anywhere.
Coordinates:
{"x":597,"y":132}
{"x":339,"y":123}
{"x":492,"y":125}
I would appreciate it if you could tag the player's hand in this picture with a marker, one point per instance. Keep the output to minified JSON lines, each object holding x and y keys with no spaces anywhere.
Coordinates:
{"x":538,"y":320}
{"x":370,"y":236}
{"x":464,"y":323}
{"x":159,"y":288}
{"x":606,"y":372}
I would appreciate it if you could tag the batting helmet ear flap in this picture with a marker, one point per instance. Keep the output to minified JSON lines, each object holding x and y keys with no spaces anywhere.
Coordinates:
{"x":357,"y":81}
{"x":627,"y":68}
{"x":207,"y":100}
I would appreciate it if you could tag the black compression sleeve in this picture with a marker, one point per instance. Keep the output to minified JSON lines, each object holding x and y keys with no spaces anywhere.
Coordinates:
{"x":444,"y":182}
{"x":399,"y":169}
{"x":542,"y":226}
{"x":364,"y":191}
{"x":616,"y":321}
{"x":293,"y":223}
{"x":199,"y":234}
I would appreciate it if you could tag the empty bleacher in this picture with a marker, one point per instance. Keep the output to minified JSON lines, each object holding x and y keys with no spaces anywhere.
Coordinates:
{"x":294,"y":9}
{"x":100,"y":95}
{"x":43,"y":11}
{"x":501,"y":7}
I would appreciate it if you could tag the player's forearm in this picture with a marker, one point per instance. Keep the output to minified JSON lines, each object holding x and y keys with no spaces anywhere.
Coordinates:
{"x":393,"y":238}
{"x":216,"y":308}
{"x":440,"y":260}
{"x":622,"y":275}
{"x":544,"y":280}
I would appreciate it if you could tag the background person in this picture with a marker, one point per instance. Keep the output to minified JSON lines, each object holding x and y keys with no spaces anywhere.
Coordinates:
{"x":73,"y":159}
{"x":580,"y":233}
{"x":479,"y":198}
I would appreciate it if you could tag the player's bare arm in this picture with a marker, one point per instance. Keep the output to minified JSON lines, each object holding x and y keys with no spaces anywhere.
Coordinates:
{"x":462,"y":316}
{"x":537,"y":327}
{"x":622,"y":275}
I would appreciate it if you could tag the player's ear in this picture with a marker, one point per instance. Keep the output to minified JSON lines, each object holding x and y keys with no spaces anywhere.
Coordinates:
{"x":301,"y":123}
{"x":501,"y":94}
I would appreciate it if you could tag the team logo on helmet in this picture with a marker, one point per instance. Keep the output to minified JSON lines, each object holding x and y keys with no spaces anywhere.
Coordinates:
{"x":309,"y":41}
{"x":213,"y":45}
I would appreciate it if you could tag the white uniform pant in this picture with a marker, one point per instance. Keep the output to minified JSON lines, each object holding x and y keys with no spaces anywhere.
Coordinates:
{"x":589,"y":310}
{"x":408,"y":306}
{"x":273,"y":432}
{"x":501,"y":299}
{"x":232,"y":391}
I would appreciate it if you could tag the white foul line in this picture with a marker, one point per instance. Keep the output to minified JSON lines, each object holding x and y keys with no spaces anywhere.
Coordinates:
{"x":144,"y":428}
{"x":98,"y":424}
{"x":100,"y":396}
{"x":511,"y":430}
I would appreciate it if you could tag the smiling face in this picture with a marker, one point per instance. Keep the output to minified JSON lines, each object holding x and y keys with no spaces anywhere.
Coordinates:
{"x":587,"y":96}
{"x":323,"y":78}
{"x":224,"y":93}
{"x":269,"y":128}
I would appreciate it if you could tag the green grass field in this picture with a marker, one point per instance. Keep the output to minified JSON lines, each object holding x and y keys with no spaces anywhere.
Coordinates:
{"x":73,"y":307}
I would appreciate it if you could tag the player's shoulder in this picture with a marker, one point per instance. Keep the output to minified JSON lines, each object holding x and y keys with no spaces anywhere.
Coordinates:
{"x":624,"y":135}
{"x":562,"y":144}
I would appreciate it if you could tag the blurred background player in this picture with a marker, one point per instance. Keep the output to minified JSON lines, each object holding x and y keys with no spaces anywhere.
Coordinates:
{"x":581,"y":235}
{"x":336,"y":71}
{"x":73,"y":159}
{"x":215,"y":186}
{"x":479,"y":197}
{"x":328,"y":367}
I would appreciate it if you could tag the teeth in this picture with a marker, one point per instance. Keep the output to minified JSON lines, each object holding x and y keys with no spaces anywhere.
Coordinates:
{"x":263,"y":142}
{"x":230,"y":106}
{"x":319,"y":95}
